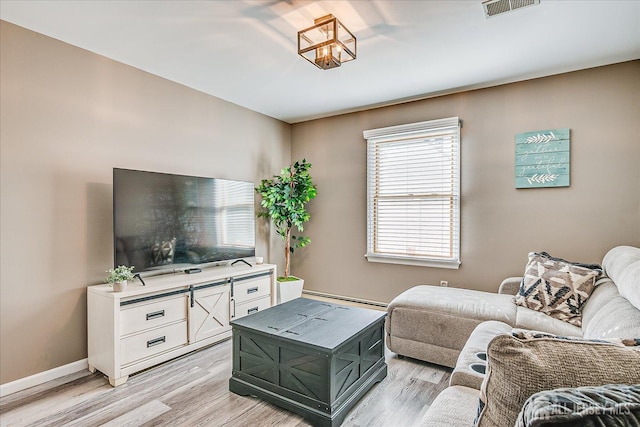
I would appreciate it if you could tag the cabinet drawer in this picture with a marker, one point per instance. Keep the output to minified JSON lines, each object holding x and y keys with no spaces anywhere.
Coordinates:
{"x":247,"y":290}
{"x":155,"y":341}
{"x":143,"y":316}
{"x":251,"y":307}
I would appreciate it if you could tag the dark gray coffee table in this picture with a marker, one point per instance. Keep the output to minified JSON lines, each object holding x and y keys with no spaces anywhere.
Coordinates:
{"x":310,"y":357}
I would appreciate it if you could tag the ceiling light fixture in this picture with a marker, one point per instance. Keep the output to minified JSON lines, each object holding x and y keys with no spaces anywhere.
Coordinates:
{"x":327,"y":44}
{"x":497,"y":7}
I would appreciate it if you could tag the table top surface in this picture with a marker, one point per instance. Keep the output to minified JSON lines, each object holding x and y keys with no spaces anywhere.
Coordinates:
{"x":311,"y":322}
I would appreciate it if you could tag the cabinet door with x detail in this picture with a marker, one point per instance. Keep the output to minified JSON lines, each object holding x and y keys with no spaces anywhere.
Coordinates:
{"x":209,"y":312}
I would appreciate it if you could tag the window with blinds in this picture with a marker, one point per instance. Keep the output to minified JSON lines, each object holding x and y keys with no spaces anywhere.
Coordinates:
{"x":413,"y":194}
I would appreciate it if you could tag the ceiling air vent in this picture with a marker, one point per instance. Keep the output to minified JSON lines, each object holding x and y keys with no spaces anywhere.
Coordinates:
{"x":497,"y":7}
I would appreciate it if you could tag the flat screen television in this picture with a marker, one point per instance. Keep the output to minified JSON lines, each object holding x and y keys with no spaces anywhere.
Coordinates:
{"x":164,"y":222}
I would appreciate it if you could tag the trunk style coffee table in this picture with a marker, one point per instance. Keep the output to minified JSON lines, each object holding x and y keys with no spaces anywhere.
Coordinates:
{"x":310,"y":357}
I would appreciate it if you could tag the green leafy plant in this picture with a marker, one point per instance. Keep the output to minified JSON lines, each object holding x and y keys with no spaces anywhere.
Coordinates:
{"x":120,"y":274}
{"x":284,"y":198}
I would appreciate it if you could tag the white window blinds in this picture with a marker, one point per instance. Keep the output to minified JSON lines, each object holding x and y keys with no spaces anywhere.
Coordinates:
{"x":413,"y":194}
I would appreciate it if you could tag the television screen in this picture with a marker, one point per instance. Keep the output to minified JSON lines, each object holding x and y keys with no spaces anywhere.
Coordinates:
{"x":167,"y":222}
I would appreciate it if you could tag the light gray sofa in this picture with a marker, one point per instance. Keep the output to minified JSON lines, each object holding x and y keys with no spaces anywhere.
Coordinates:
{"x":453,"y":327}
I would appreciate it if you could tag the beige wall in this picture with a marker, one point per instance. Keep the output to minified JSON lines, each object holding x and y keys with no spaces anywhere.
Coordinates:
{"x":68,"y":117}
{"x":500,"y":224}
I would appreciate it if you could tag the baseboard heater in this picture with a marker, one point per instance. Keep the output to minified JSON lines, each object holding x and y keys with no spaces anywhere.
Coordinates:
{"x":348,"y":299}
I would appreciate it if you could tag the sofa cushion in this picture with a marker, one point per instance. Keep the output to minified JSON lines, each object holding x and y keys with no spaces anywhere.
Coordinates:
{"x":427,"y":317}
{"x":607,"y":405}
{"x":622,"y":265}
{"x":617,"y":259}
{"x":557,"y":287}
{"x":604,"y":292}
{"x":616,"y":318}
{"x":629,"y":284}
{"x":518,"y":368}
{"x":532,"y":319}
{"x":477,"y":305}
{"x":452,"y":408}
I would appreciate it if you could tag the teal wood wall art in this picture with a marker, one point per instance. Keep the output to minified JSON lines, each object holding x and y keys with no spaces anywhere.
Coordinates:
{"x":542,"y":158}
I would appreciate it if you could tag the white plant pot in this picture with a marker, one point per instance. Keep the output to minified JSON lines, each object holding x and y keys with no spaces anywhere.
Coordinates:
{"x":120,"y":286}
{"x":289,"y":290}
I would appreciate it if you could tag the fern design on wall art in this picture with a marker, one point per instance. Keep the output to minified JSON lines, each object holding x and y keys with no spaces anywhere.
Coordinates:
{"x":541,"y":179}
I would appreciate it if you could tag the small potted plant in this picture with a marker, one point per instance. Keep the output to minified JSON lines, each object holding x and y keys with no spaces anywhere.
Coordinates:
{"x":119,"y":276}
{"x":283,"y":199}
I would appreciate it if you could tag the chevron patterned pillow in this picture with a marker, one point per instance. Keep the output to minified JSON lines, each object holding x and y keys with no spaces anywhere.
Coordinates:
{"x":557,"y":287}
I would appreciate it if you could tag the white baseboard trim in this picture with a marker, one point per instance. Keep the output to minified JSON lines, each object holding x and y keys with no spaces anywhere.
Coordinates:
{"x":42,"y":377}
{"x":348,"y":299}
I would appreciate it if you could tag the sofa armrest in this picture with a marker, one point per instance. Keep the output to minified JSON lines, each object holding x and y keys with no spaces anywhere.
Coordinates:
{"x":510,"y":285}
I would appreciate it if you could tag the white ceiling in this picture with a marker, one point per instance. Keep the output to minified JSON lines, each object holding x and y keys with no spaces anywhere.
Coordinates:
{"x":246,"y":51}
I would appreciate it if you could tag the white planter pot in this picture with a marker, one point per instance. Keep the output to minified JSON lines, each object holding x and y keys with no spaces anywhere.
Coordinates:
{"x":289,"y":290}
{"x":120,"y":286}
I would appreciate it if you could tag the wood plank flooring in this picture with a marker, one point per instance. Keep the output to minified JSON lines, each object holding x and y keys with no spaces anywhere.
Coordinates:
{"x":194,"y":391}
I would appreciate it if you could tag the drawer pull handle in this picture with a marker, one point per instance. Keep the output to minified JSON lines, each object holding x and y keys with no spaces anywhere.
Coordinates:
{"x":252,"y":290}
{"x":155,"y":315}
{"x":252,"y":310}
{"x":156,"y":341}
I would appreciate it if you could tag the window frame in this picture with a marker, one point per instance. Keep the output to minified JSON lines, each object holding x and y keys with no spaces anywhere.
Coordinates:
{"x":402,"y":134}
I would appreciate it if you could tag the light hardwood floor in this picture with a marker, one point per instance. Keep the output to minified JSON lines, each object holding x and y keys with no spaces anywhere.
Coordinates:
{"x":193,"y":391}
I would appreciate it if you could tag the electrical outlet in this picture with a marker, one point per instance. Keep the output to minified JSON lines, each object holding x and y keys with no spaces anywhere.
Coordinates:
{"x":444,"y":283}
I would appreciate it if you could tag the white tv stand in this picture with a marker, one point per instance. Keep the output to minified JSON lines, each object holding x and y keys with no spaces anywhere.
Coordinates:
{"x":172,"y":315}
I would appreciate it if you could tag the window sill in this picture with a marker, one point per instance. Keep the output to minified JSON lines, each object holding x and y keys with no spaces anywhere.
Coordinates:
{"x":422,"y":262}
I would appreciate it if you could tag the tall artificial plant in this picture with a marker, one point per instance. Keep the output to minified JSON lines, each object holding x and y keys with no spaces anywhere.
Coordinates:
{"x":284,"y":198}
